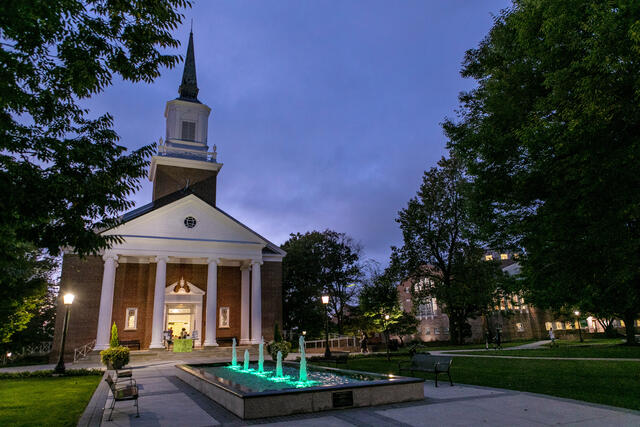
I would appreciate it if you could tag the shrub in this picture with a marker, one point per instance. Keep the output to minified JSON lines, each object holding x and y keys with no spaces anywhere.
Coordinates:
{"x":115,"y":357}
{"x":277,"y":336}
{"x":281,"y":346}
{"x":49,"y":372}
{"x":278,"y":344}
{"x":114,"y":336}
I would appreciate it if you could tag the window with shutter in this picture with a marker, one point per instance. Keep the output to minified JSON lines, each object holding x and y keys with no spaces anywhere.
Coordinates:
{"x":189,"y":131}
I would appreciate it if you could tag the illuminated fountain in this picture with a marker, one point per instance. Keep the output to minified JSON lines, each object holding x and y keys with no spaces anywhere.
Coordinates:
{"x":261,"y":356}
{"x":246,"y":360}
{"x":234,"y":359}
{"x":279,"y":365}
{"x":303,"y":360}
{"x":268,"y":389}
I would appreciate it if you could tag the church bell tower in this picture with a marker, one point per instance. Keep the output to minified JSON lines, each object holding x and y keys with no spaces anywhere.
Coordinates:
{"x":184,"y":160}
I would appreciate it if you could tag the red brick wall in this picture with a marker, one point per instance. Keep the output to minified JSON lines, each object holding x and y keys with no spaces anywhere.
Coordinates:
{"x":271,"y":281}
{"x":169,"y":179}
{"x":229,"y":295}
{"x":131,"y":291}
{"x":135,"y":287}
{"x":83,"y":278}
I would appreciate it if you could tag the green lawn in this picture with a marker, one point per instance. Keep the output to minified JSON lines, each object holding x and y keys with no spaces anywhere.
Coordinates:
{"x":607,"y":349}
{"x":609,"y":383}
{"x":45,"y":401}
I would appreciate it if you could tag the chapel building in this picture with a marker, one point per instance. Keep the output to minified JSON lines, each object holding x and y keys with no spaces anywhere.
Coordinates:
{"x":183,"y":262}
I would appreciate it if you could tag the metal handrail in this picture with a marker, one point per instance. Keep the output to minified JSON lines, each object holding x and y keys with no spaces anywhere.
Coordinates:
{"x":82,"y":352}
{"x":334,"y":341}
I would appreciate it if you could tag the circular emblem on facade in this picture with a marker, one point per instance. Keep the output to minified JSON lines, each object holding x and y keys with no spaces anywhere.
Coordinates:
{"x":189,"y":222}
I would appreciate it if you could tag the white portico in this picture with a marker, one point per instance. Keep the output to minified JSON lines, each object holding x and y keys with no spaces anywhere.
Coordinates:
{"x":210,"y":237}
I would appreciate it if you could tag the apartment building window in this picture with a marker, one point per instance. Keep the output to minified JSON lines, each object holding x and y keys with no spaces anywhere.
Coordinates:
{"x":427,"y":331}
{"x":520,"y":327}
{"x":548,"y":325}
{"x":504,"y":256}
{"x":436,"y":331}
{"x":446,"y":331}
{"x":559,"y":326}
{"x":568,"y":325}
{"x":488,"y":257}
{"x":425,"y":309}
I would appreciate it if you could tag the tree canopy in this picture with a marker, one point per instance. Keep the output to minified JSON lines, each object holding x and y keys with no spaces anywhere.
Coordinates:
{"x":440,"y":253}
{"x":550,"y":137}
{"x":318,"y":263}
{"x":62,"y":172}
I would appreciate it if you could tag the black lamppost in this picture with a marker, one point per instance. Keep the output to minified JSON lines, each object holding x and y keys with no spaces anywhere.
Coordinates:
{"x":325,"y":301}
{"x":386,"y":335}
{"x":68,"y":300}
{"x":577,"y":313}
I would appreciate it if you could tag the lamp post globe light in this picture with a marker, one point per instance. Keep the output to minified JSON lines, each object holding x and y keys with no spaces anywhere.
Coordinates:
{"x":386,"y":335}
{"x":68,"y":300}
{"x":325,"y":302}
{"x":577,"y":313}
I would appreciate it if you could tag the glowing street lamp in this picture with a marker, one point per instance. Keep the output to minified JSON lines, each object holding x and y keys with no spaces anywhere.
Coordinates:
{"x":577,"y":313}
{"x":325,"y":302}
{"x":386,"y":334}
{"x":68,"y":300}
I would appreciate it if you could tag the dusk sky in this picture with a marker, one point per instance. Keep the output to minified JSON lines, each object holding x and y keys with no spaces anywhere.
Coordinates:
{"x":325,"y":113}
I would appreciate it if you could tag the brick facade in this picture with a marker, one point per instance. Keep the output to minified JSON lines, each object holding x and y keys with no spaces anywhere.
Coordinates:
{"x":519,"y":324}
{"x":134,"y":288}
{"x":169,"y":179}
{"x":83,"y":278}
{"x":271,"y":277}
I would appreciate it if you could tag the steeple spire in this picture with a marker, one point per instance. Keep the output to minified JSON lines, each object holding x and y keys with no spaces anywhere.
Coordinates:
{"x":189,"y":88}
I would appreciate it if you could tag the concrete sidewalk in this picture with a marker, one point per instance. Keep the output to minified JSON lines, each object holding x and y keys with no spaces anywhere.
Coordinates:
{"x":167,"y":401}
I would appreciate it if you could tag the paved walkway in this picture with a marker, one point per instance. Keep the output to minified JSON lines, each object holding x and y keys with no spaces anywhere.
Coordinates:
{"x":167,"y":401}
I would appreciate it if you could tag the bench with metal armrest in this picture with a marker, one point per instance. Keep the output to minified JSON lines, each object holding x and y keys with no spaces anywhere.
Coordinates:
{"x":122,"y":392}
{"x":421,"y":362}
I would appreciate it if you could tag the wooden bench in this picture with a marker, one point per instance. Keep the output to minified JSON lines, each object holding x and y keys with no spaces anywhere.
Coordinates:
{"x":132,"y":344}
{"x":225,"y":340}
{"x":427,"y":363}
{"x":336,"y":357}
{"x":122,"y":393}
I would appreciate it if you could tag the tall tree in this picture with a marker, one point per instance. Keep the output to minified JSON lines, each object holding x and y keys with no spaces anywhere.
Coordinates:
{"x":62,"y":172}
{"x":379,"y":303}
{"x":318,"y":263}
{"x":439,"y":252}
{"x":550,"y":137}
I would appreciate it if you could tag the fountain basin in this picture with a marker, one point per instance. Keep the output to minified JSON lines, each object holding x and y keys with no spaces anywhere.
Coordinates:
{"x":249,"y":395}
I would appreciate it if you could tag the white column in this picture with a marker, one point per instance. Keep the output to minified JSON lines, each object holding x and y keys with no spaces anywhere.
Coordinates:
{"x":158,"y":303}
{"x":256,"y":302}
{"x":212,"y":303}
{"x":245,"y":314}
{"x":106,"y":302}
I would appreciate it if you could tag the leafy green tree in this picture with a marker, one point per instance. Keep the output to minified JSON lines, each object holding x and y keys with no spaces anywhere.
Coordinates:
{"x":380,"y":304}
{"x":550,"y":139}
{"x":407,"y":324}
{"x":62,"y":173}
{"x":23,"y":287}
{"x":317,"y":263}
{"x":38,"y":329}
{"x":440,"y":254}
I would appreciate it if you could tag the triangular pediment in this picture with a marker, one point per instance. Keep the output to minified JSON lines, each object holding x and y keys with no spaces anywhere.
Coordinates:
{"x":183,"y":287}
{"x":188,"y":218}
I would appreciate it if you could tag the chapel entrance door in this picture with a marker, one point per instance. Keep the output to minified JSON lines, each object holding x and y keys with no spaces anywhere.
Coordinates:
{"x":181,"y":316}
